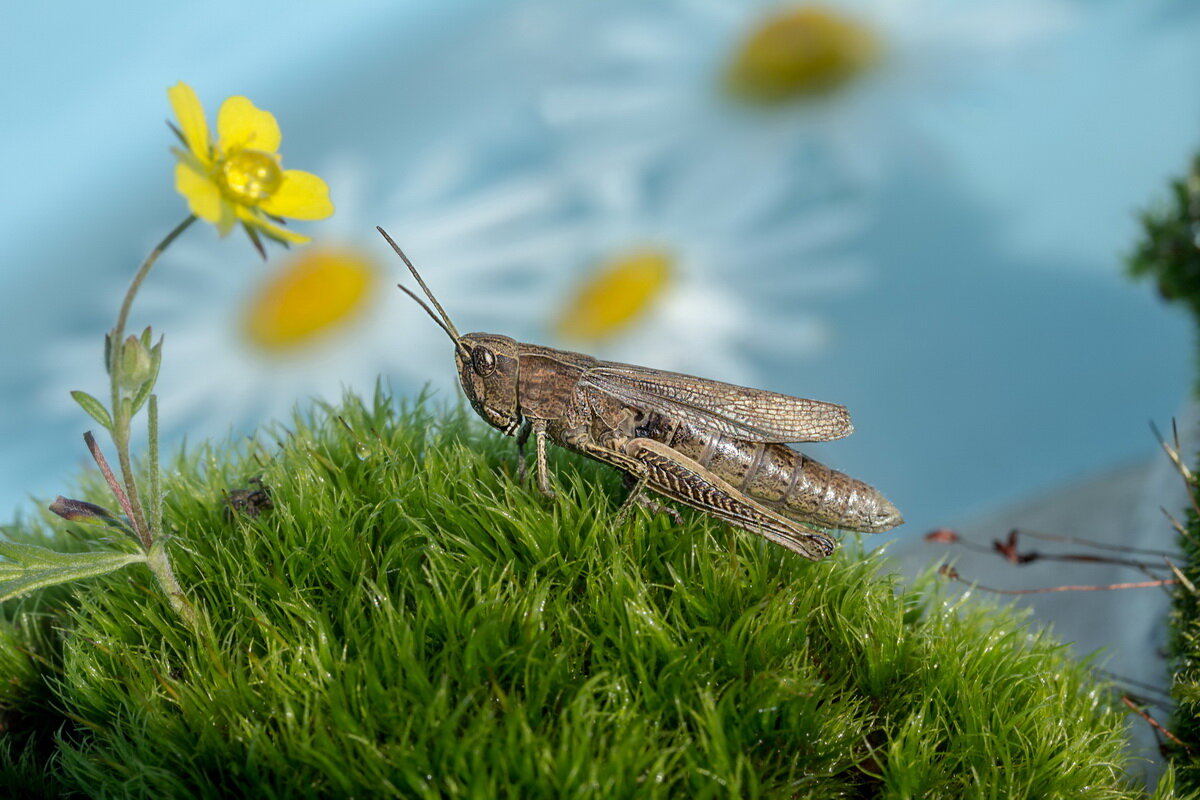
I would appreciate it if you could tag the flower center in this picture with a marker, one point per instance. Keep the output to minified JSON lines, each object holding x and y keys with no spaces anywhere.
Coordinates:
{"x":316,"y":292}
{"x":250,"y":176}
{"x":801,"y":52}
{"x":619,"y":294}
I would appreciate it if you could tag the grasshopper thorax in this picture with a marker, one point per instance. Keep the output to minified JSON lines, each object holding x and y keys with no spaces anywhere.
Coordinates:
{"x":488,"y":368}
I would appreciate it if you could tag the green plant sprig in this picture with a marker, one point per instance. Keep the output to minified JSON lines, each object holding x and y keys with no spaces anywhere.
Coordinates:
{"x":132,"y":364}
{"x":260,"y":196}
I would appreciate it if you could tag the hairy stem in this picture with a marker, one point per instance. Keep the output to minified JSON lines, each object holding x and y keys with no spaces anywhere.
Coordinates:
{"x":120,"y":429}
{"x":155,"y":478}
{"x":118,"y":331}
{"x":160,"y":565}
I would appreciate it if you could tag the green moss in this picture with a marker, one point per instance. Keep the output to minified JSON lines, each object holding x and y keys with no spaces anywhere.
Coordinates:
{"x":1169,"y":251}
{"x":408,"y":620}
{"x":1185,"y":654}
{"x":1169,"y":254}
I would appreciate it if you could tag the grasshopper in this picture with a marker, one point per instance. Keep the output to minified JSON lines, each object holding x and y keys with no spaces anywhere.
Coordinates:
{"x":714,"y":446}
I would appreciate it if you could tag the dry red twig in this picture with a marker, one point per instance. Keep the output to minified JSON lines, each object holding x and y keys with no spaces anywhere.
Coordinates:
{"x":1010,"y":550}
{"x":1158,"y":726}
{"x":950,"y":572}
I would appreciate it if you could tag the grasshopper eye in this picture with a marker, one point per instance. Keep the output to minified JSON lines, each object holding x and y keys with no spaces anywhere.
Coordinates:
{"x":483,"y":360}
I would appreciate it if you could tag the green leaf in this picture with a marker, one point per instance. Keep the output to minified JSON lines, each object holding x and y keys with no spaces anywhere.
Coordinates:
{"x":140,"y":397}
{"x":143,"y":393}
{"x":30,"y":567}
{"x":94,"y":408}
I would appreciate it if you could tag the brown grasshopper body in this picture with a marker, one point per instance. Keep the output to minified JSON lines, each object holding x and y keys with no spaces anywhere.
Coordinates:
{"x":713,"y":446}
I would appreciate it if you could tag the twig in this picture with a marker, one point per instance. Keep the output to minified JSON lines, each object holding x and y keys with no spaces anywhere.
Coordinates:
{"x":1180,"y":576}
{"x":950,"y":572}
{"x":1154,"y":723}
{"x":1177,"y":525}
{"x":1177,"y":460}
{"x":1051,"y":537}
{"x":1011,"y":552}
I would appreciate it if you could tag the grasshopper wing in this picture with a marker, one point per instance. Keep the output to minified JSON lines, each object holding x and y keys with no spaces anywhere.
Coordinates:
{"x":754,"y":415}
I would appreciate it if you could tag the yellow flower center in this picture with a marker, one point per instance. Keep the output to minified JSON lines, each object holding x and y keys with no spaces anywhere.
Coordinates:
{"x":249,"y":176}
{"x":801,"y":52}
{"x":317,"y":291}
{"x":617,"y":296}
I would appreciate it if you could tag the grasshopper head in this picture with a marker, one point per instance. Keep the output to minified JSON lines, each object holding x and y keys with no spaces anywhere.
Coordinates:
{"x":487,"y":363}
{"x":487,"y":368}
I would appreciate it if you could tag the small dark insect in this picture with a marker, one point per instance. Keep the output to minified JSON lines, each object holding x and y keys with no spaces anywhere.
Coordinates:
{"x":250,"y":502}
{"x":713,"y":446}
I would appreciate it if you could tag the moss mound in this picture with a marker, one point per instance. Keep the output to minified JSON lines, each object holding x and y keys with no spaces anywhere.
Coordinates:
{"x":407,"y":620}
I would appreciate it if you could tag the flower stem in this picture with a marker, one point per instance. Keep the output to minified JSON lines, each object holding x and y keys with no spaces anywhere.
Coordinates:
{"x":120,"y":429}
{"x":147,"y":527}
{"x":155,"y":478}
{"x":160,"y":565}
{"x":118,"y":332}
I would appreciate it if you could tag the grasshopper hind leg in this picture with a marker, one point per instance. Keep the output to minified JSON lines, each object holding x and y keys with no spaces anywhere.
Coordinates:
{"x":680,"y":478}
{"x":636,"y":493}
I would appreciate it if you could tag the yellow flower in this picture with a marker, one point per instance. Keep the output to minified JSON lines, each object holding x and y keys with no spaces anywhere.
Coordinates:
{"x":618,"y":296}
{"x":316,"y":292}
{"x":801,"y":52}
{"x":240,"y":177}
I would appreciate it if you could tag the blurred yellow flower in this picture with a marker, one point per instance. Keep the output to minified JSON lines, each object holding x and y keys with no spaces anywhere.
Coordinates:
{"x":801,"y":52}
{"x":241,"y":178}
{"x":317,"y":291}
{"x":615,"y":298}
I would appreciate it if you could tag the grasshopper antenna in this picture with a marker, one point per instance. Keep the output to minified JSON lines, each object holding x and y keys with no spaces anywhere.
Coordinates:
{"x":428,"y":310}
{"x":444,"y":321}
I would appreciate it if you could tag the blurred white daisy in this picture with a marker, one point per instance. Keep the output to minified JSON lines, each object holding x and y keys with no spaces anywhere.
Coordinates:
{"x":670,"y":270}
{"x":767,"y":84}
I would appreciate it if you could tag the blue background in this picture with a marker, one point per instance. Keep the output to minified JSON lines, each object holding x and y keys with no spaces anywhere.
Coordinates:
{"x":997,"y":349}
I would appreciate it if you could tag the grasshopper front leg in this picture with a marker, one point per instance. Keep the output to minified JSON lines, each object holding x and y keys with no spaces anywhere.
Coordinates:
{"x":538,"y":428}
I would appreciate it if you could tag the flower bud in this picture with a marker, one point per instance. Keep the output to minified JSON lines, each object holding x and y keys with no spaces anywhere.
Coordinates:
{"x":82,"y":511}
{"x":136,"y":364}
{"x":86,"y":513}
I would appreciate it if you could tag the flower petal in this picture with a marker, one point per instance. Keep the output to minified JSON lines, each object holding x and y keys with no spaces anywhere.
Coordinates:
{"x":241,"y":124}
{"x":190,"y":114}
{"x":228,"y":217}
{"x":302,"y":195}
{"x":254,"y":219}
{"x":202,"y":195}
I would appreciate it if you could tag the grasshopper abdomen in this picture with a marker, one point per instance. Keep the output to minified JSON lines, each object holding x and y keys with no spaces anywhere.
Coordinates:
{"x":778,"y":477}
